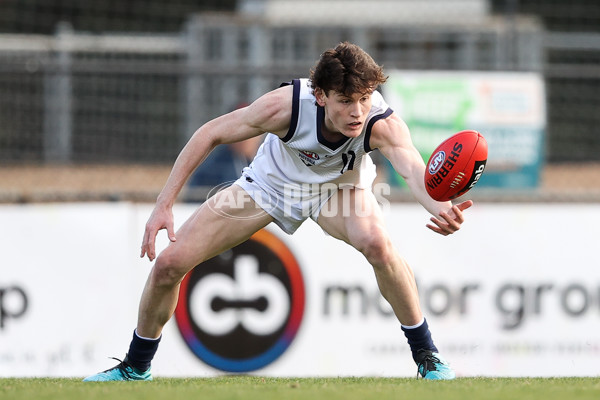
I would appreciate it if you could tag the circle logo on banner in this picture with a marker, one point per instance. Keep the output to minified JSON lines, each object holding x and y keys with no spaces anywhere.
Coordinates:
{"x":240,"y":311}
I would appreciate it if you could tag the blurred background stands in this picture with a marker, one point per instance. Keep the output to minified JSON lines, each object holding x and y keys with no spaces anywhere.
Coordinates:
{"x":97,"y":98}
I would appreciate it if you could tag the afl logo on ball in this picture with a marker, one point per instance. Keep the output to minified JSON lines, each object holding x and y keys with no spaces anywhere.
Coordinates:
{"x":436,"y":162}
{"x":241,"y":310}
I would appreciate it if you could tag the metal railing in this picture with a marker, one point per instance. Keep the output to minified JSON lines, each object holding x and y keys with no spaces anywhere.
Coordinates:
{"x":122,"y":98}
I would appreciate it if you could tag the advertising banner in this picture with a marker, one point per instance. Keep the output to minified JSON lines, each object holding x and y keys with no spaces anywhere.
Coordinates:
{"x":508,"y":295}
{"x":507,"y":108}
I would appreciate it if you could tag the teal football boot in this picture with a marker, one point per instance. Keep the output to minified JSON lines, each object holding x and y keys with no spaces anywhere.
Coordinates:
{"x":432,"y":366}
{"x":122,"y":372}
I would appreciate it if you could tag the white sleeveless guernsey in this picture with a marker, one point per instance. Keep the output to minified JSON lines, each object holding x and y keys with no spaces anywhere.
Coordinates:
{"x":292,"y":177}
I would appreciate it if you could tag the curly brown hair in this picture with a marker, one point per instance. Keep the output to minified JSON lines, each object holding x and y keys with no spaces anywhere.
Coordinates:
{"x":346,"y":69}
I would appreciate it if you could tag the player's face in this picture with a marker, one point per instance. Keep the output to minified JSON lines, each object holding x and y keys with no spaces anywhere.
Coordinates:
{"x":345,"y":114}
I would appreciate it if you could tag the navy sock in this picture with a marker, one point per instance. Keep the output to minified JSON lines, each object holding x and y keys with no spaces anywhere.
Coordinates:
{"x":141,"y":352}
{"x":419,"y":338}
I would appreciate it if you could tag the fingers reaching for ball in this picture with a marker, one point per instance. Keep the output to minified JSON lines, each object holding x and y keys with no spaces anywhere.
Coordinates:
{"x":450,"y":221}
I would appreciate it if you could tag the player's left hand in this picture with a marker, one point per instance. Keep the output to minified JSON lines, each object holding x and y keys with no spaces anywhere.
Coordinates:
{"x":161,"y":218}
{"x":449,"y":222}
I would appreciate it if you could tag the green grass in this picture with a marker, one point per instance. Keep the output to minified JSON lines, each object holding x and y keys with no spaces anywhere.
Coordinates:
{"x":259,"y":388}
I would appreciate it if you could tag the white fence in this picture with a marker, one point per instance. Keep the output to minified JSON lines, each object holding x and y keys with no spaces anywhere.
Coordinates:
{"x":511,"y":294}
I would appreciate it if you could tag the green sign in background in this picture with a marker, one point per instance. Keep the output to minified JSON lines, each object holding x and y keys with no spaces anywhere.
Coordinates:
{"x":501,"y":106}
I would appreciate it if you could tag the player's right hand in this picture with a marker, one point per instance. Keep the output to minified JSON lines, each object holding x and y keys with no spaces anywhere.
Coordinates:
{"x":450,"y":221}
{"x":161,"y":218}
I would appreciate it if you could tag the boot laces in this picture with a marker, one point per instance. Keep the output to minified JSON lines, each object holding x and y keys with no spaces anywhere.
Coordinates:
{"x":427,"y":362}
{"x":124,"y":367}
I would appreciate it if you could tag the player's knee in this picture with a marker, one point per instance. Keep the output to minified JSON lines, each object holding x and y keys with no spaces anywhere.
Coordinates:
{"x":167,"y":271}
{"x":377,"y":249}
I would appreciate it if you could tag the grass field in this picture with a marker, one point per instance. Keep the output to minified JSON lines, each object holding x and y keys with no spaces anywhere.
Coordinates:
{"x":258,"y":388}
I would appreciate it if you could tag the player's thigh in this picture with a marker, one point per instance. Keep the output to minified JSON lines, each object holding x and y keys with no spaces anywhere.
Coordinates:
{"x":225,"y":220}
{"x":354,"y":216}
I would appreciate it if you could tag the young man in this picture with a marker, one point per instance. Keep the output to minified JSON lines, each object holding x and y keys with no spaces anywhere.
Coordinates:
{"x":320,"y":131}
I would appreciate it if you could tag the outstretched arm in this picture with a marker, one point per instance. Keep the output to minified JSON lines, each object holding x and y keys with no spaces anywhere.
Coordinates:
{"x":392,"y":137}
{"x":269,"y":113}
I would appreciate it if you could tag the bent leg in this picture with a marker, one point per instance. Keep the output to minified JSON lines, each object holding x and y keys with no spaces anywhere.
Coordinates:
{"x":357,"y":220}
{"x":224,"y":221}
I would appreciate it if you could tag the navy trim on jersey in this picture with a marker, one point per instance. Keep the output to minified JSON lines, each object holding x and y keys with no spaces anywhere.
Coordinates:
{"x":320,"y":121}
{"x":295,"y":109}
{"x":376,"y":118}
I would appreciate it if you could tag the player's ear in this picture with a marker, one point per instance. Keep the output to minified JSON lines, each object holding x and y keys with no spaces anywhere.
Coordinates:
{"x":320,"y":96}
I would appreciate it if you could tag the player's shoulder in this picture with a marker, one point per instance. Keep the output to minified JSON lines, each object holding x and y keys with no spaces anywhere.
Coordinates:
{"x":378,"y":103}
{"x":300,"y":88}
{"x":388,"y":131}
{"x":278,"y":99}
{"x":377,"y":96}
{"x":272,"y":112}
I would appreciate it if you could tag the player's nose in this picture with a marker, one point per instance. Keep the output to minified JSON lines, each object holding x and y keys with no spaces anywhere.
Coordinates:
{"x":356,"y":110}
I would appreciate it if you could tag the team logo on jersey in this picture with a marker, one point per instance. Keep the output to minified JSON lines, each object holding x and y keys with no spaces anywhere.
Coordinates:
{"x":241,"y":310}
{"x":308,"y":157}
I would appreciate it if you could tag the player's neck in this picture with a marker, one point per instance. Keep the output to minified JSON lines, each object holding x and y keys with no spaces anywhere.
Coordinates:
{"x":329,"y":134}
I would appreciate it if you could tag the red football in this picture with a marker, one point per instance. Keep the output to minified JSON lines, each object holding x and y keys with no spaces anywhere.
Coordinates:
{"x":456,"y":165}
